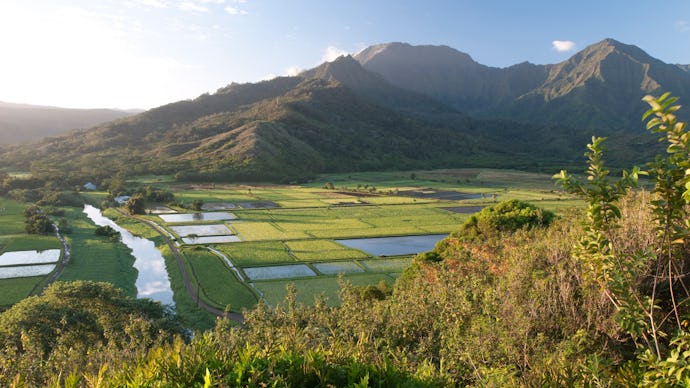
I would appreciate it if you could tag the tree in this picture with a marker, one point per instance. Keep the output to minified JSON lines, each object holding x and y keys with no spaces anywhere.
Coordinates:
{"x":647,"y":289}
{"x":39,"y":224}
{"x":62,"y":329}
{"x":197,"y":204}
{"x":136,"y":204}
{"x":507,"y":216}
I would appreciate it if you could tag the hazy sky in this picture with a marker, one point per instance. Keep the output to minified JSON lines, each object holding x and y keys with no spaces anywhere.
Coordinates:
{"x":145,"y":53}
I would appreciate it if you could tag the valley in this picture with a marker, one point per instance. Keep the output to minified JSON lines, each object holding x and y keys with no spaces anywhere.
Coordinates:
{"x":282,"y":235}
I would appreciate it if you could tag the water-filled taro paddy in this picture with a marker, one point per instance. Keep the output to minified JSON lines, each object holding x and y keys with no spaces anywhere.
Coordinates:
{"x":268,"y":237}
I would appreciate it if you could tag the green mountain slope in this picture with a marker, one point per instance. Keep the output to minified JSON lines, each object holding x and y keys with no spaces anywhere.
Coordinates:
{"x":599,"y":87}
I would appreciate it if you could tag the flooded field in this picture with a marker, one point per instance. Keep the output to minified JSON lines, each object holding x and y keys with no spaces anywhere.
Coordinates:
{"x":215,"y":206}
{"x":202,"y":230}
{"x":464,"y":209}
{"x":191,"y":217}
{"x":394,"y":246}
{"x":25,"y":271}
{"x":210,"y":240}
{"x":279,"y":272}
{"x":29,"y":257}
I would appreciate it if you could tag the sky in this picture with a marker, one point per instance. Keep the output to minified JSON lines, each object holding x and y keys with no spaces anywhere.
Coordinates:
{"x":146,"y":53}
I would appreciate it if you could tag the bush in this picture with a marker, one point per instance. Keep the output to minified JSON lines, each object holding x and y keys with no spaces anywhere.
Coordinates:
{"x":507,"y":216}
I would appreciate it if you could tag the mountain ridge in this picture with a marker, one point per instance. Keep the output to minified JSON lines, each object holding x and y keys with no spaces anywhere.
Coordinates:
{"x":341,"y":116}
{"x":600,"y":86}
{"x":26,"y":122}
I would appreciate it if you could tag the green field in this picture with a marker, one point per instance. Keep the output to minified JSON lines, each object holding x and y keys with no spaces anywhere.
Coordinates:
{"x":97,"y":258}
{"x":307,"y":289}
{"x":13,"y":237}
{"x":301,"y":230}
{"x":218,"y":284}
{"x":309,"y":218}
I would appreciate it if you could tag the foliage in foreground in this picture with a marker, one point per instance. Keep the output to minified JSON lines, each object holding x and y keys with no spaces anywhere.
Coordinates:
{"x":75,"y":325}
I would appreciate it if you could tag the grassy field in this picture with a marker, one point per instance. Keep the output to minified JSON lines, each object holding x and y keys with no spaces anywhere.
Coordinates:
{"x":307,"y":289}
{"x":309,"y":218}
{"x":301,"y":230}
{"x":217,"y":283}
{"x":13,"y":237}
{"x":95,"y":257}
{"x":249,"y":254}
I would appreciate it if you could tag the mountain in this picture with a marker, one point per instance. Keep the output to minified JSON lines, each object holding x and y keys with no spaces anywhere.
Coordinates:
{"x":22,"y":122}
{"x":341,"y":116}
{"x":599,"y":87}
{"x":684,"y":67}
{"x":449,"y":75}
{"x":336,"y":117}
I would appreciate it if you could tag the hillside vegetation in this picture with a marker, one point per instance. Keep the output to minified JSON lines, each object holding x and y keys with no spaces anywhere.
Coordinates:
{"x":514,"y":298}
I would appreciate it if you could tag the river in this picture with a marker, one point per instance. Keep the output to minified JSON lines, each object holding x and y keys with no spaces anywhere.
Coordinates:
{"x":152,"y":279}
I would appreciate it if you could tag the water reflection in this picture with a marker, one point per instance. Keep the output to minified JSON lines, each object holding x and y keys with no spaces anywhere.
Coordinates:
{"x":152,"y":280}
{"x":394,"y":246}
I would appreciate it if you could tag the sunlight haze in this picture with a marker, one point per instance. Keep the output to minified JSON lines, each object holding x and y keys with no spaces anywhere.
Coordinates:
{"x":145,"y":53}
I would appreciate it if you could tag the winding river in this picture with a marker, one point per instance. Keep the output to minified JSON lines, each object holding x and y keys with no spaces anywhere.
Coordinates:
{"x":152,"y":279}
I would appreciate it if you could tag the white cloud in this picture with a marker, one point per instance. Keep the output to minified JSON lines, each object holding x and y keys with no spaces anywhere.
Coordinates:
{"x":152,"y":3}
{"x":563,"y":45}
{"x":190,"y":6}
{"x":683,"y":26}
{"x":293,"y":71}
{"x":234,"y":11}
{"x":332,"y":53}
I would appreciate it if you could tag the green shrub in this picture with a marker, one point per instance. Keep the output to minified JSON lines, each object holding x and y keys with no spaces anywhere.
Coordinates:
{"x":507,"y":216}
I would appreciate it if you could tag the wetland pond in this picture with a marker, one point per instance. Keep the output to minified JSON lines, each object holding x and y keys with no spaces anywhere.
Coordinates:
{"x":152,"y":279}
{"x":394,"y":246}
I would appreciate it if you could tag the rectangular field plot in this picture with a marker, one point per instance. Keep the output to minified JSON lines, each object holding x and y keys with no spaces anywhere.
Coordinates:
{"x":14,"y":290}
{"x":218,"y":283}
{"x":26,"y":271}
{"x":257,"y":253}
{"x":201,"y":230}
{"x":307,"y":289}
{"x":369,"y":232}
{"x":279,"y":272}
{"x":318,"y":250}
{"x":440,"y":229}
{"x":191,"y":217}
{"x":12,"y":216}
{"x":259,"y":231}
{"x":214,"y":206}
{"x":387,"y":265}
{"x":30,"y":257}
{"x":394,"y":246}
{"x":211,"y":240}
{"x":338,"y":267}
